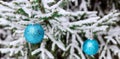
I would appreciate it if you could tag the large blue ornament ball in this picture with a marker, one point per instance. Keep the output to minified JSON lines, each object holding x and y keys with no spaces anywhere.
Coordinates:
{"x":90,"y":47}
{"x":34,"y":33}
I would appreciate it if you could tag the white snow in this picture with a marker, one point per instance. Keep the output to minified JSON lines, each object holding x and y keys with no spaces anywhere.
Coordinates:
{"x":60,"y":26}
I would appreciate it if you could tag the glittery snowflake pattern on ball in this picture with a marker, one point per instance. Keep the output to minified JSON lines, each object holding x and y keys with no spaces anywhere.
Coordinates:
{"x":90,"y":47}
{"x":34,"y":33}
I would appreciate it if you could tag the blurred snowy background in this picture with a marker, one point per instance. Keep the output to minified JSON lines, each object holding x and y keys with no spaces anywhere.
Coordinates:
{"x":67,"y":23}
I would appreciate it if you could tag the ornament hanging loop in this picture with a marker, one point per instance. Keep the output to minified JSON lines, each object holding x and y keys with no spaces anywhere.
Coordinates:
{"x":91,"y":33}
{"x":32,"y":21}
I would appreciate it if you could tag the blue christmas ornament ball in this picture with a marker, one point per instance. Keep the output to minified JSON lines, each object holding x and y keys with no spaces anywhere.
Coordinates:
{"x":90,"y":47}
{"x":34,"y":33}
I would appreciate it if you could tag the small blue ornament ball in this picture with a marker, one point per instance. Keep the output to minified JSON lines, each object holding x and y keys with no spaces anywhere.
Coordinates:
{"x":90,"y":47}
{"x":34,"y":33}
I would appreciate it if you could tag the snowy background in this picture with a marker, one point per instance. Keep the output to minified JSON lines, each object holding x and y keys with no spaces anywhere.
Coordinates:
{"x":67,"y":23}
